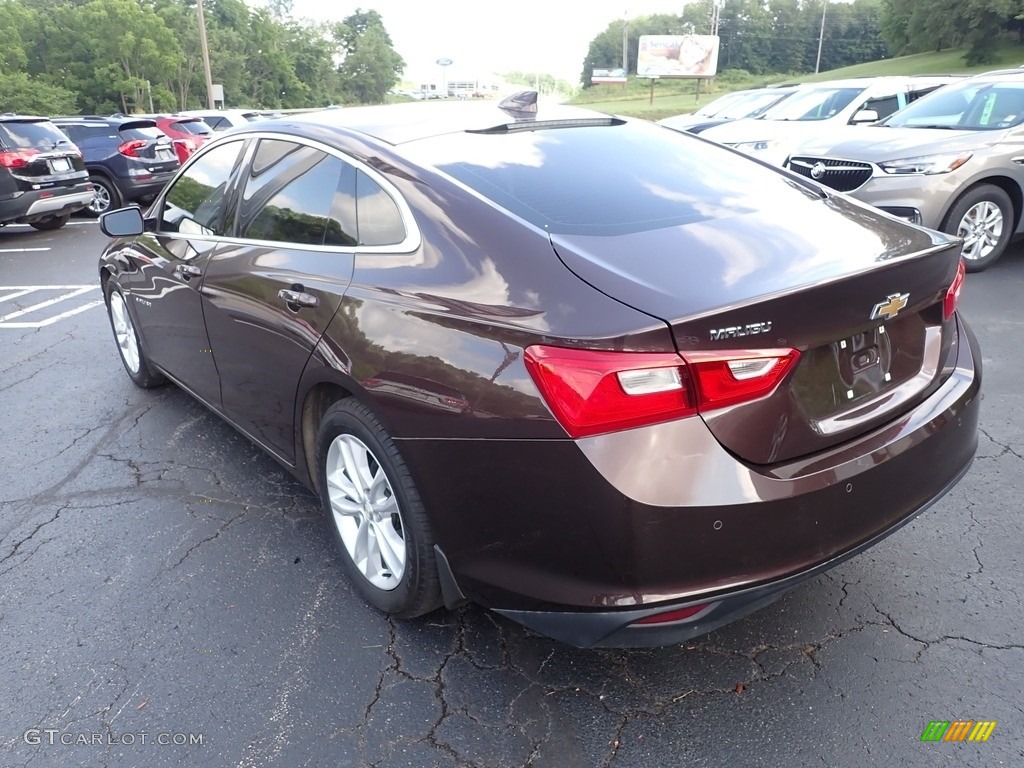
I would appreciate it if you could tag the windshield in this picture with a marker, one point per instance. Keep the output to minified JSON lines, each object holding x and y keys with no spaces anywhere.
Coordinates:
{"x":813,"y":104}
{"x":969,"y":106}
{"x":721,"y":103}
{"x":752,"y":105}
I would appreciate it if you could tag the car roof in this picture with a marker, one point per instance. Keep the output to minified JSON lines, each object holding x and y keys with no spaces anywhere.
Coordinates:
{"x":412,"y":121}
{"x":113,"y":122}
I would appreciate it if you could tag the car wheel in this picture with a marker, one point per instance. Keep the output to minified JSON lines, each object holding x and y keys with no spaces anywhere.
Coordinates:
{"x":134,"y":359}
{"x":50,"y":223}
{"x":107,"y":197}
{"x":376,"y":514}
{"x":983,"y":217}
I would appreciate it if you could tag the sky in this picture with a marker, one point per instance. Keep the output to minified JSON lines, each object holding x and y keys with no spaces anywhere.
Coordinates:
{"x":483,"y":37}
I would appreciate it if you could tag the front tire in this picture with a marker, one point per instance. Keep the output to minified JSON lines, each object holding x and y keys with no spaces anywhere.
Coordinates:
{"x":51,"y":223}
{"x":128,"y":347}
{"x":983,"y":217}
{"x":375,"y":512}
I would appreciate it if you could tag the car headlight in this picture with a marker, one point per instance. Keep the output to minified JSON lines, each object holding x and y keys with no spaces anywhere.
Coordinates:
{"x":752,"y":147}
{"x":926,"y":165}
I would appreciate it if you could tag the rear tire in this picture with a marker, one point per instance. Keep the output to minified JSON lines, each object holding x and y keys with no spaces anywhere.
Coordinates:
{"x":130,"y":350}
{"x":107,"y":197}
{"x":375,"y":512}
{"x":983,"y":217}
{"x":51,"y":223}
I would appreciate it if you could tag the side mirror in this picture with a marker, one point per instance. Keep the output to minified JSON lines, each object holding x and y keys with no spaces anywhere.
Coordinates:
{"x":124,"y":222}
{"x":865,"y":116}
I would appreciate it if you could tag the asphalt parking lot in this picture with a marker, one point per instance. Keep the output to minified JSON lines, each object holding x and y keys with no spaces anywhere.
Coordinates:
{"x":169,"y":596}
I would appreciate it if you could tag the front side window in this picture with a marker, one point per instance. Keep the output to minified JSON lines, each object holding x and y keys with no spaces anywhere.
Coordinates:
{"x":288,"y":193}
{"x":194,"y":204}
{"x":883,"y":106}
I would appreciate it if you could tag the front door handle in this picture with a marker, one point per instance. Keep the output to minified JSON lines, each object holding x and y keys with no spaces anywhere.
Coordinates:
{"x":296,"y":299}
{"x":187,"y":271}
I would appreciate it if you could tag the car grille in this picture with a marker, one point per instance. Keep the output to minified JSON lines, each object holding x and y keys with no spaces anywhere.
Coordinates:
{"x":841,"y":175}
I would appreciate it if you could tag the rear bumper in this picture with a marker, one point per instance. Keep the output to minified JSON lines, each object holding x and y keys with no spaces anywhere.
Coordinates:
{"x":577,"y":540}
{"x":134,"y":188}
{"x":42,"y":204}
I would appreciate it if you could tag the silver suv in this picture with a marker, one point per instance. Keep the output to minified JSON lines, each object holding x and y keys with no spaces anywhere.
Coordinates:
{"x":950,"y":161}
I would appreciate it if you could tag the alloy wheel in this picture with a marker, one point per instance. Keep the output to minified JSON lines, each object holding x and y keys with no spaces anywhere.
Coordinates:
{"x":124,"y":332}
{"x":981,"y":227}
{"x":101,"y":201}
{"x":366,"y":512}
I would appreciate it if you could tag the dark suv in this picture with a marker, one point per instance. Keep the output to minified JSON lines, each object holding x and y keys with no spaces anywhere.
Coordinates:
{"x":43,"y":179}
{"x":128,"y":159}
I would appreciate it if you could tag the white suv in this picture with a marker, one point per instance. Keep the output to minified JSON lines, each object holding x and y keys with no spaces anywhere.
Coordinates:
{"x":819,"y":107}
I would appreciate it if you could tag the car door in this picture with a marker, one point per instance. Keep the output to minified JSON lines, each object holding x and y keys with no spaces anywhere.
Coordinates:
{"x":169,"y":263}
{"x":272,"y":292}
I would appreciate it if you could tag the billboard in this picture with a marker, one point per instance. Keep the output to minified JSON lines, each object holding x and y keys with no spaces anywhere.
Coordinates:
{"x":677,"y":56}
{"x":608,"y":76}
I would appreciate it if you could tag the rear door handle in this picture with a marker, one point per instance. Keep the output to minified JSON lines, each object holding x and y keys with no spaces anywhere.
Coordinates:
{"x":187,"y":271}
{"x":298,"y":298}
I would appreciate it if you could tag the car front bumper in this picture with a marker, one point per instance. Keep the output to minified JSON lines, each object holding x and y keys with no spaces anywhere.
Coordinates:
{"x":930,"y":197}
{"x":579,"y":540}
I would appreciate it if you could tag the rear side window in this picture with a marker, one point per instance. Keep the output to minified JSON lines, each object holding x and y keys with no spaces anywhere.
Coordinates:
{"x":380,"y":221}
{"x":284,"y":198}
{"x":195,"y":201}
{"x":41,"y":135}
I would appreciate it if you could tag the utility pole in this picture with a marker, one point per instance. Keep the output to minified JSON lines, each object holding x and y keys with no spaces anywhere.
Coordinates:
{"x":206,"y":56}
{"x":625,"y":51}
{"x":821,"y":35}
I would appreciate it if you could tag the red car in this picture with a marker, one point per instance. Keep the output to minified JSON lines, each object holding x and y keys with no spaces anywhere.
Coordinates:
{"x":187,"y":133}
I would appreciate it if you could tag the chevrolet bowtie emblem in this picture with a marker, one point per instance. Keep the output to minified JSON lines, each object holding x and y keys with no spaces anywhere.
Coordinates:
{"x":891,"y":307}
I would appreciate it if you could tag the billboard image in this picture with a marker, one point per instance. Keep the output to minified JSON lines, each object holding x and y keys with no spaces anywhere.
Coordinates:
{"x":677,"y":56}
{"x":608,"y":76}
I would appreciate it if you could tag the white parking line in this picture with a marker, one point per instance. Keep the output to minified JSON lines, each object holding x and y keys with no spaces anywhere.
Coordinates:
{"x":17,"y":291}
{"x":55,"y":318}
{"x":21,"y":250}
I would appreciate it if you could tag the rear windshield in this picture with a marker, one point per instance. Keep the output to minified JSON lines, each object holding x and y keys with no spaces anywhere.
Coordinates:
{"x":195,"y":127}
{"x":30,"y":135}
{"x":604,"y":180}
{"x":146,"y":134}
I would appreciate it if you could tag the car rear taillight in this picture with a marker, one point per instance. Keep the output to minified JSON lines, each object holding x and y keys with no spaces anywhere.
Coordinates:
{"x":735,"y":377}
{"x":17,"y":158}
{"x":591,"y":392}
{"x":131,"y":148}
{"x":949,"y":304}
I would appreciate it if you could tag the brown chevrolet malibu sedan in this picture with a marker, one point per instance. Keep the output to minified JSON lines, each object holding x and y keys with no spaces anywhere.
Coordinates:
{"x":614,"y":382}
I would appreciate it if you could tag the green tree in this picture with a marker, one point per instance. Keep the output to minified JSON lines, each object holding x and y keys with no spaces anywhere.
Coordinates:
{"x":30,"y":96}
{"x":371,"y":66}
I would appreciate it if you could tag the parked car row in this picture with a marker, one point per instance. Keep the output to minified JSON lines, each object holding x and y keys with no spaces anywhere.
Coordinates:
{"x":943,"y":152}
{"x":53,"y":167}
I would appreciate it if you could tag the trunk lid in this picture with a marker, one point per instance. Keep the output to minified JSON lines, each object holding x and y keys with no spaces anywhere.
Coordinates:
{"x":857,"y":293}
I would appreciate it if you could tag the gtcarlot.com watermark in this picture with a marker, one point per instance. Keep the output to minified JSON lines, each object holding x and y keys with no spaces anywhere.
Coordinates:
{"x":53,"y":736}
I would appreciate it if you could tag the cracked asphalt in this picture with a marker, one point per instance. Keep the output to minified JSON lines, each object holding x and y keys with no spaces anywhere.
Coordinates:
{"x":161,"y":577}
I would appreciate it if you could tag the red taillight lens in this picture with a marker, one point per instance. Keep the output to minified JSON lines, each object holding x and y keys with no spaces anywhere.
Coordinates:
{"x":735,"y":377}
{"x":677,"y":615}
{"x":17,"y":158}
{"x":953,"y":294}
{"x":131,"y":148}
{"x":591,"y":392}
